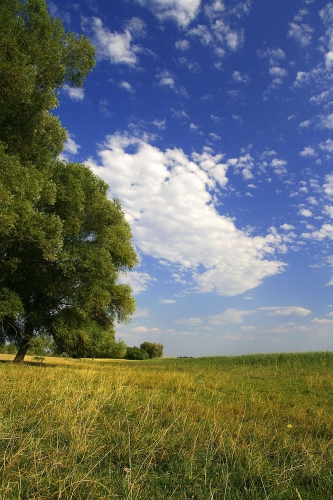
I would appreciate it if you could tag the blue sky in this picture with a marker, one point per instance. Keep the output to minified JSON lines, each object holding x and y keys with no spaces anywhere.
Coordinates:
{"x":212,"y":123}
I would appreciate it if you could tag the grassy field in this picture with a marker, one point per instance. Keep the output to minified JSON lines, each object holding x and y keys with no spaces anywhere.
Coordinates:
{"x":249,"y":427}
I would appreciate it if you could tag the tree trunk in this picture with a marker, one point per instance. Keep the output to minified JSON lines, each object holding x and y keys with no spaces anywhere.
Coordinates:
{"x":24,"y":346}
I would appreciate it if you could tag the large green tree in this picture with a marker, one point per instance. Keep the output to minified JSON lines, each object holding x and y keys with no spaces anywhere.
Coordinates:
{"x":62,"y":242}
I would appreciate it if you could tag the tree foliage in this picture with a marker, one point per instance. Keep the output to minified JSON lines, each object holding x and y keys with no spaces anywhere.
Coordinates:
{"x":134,"y":353}
{"x":62,"y":242}
{"x":152,"y":349}
{"x":37,"y":58}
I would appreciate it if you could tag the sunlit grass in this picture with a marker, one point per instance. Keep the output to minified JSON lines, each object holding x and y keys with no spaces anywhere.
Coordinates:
{"x":253,"y":427}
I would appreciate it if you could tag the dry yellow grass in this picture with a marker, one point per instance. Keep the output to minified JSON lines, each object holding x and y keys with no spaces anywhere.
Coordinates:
{"x":216,"y":428}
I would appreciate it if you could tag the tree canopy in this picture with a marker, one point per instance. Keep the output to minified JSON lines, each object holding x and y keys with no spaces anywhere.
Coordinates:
{"x":153,"y":349}
{"x":37,"y":58}
{"x":62,"y":242}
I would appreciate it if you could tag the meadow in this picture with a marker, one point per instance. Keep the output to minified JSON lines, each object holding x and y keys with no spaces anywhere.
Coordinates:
{"x":248,"y":427}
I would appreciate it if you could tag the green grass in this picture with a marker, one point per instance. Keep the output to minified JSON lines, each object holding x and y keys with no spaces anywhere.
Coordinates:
{"x":248,"y":427}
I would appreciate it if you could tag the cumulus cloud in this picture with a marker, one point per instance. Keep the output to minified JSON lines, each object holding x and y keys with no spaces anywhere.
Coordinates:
{"x":220,"y":33}
{"x":326,"y":231}
{"x":168,"y":198}
{"x":305,"y":212}
{"x":302,"y":33}
{"x":279,"y":166}
{"x":182,"y":12}
{"x":327,"y":145}
{"x":275,"y":58}
{"x":328,"y":185}
{"x":287,"y":227}
{"x":326,"y":121}
{"x":326,"y":15}
{"x":308,"y":152}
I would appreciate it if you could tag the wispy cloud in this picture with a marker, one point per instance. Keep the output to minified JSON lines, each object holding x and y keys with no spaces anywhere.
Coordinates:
{"x":139,"y":282}
{"x":286,"y":311}
{"x":76,"y":94}
{"x":182,"y":12}
{"x":229,"y":317}
{"x":117,"y":47}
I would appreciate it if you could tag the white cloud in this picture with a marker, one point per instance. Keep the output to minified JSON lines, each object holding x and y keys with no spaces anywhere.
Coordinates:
{"x":214,"y":136}
{"x":70,"y":148}
{"x":308,"y":151}
{"x":326,"y":121}
{"x":160,"y":124}
{"x":141,"y":313}
{"x":279,"y":166}
{"x":182,"y":45}
{"x":321,"y":98}
{"x":277,"y":72}
{"x":285,"y":311}
{"x":329,"y":210}
{"x":239,"y":77}
{"x":219,"y":33}
{"x":275,"y":56}
{"x":167,"y":301}
{"x":175,"y":218}
{"x":243,"y":164}
{"x":139,"y":282}
{"x":305,"y":212}
{"x":302,"y":78}
{"x":118,"y":48}
{"x":70,"y":145}
{"x":328,"y":185}
{"x":326,"y":15}
{"x":144,"y":329}
{"x":327,"y":145}
{"x":189,"y":321}
{"x":137,"y":27}
{"x":326,"y":231}
{"x":166,"y":79}
{"x":305,"y":124}
{"x":302,"y":33}
{"x":76,"y":94}
{"x":287,"y":227}
{"x":323,"y":322}
{"x":229,"y":317}
{"x":126,"y":86}
{"x":180,"y":11}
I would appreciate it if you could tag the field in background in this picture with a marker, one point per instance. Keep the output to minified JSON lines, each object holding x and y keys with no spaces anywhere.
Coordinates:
{"x":249,"y":427}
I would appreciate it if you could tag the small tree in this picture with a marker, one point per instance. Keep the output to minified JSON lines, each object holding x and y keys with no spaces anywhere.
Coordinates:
{"x":153,"y":350}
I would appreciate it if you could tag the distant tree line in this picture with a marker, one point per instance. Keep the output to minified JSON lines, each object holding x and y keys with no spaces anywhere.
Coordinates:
{"x":107,"y":349}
